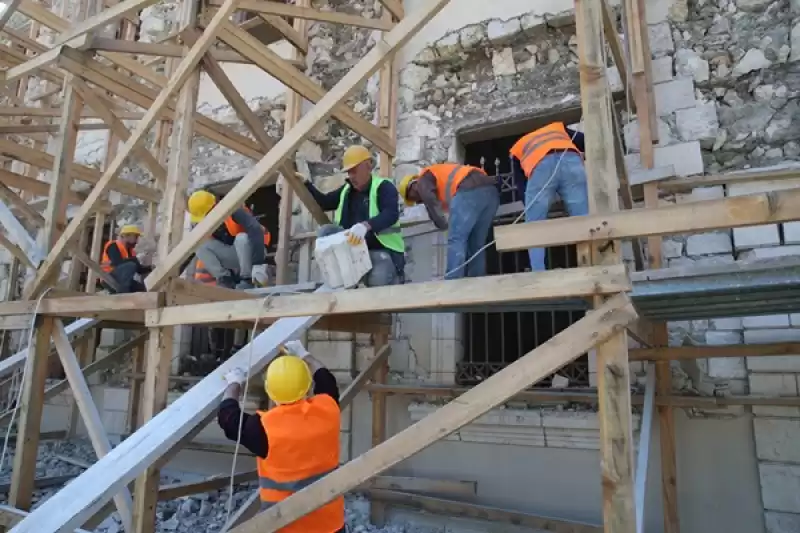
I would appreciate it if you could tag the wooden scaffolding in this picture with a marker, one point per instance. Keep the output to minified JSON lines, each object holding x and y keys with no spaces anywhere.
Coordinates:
{"x":117,"y":80}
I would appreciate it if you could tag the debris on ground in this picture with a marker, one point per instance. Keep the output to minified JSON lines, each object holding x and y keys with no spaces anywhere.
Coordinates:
{"x":206,"y":512}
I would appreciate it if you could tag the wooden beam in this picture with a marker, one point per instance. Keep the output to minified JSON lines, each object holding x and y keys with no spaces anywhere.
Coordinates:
{"x":9,"y":10}
{"x":40,"y":188}
{"x":378,"y":359}
{"x":276,"y":66}
{"x":685,"y":353}
{"x":505,"y":288}
{"x":55,"y":112}
{"x":693,"y":217}
{"x":368,"y":65}
{"x":83,"y":173}
{"x":299,"y":41}
{"x":377,"y":511}
{"x":89,"y":413}
{"x":17,"y":252}
{"x":32,"y":66}
{"x":119,"y":129}
{"x":11,"y":517}
{"x":115,"y":12}
{"x":560,"y":350}
{"x":603,"y":183}
{"x":30,"y":418}
{"x":73,"y":306}
{"x":495,"y":515}
{"x":20,"y":236}
{"x":309,"y":13}
{"x":395,"y":7}
{"x":179,"y":77}
{"x":253,"y":123}
{"x":165,"y":50}
{"x":731,"y":178}
{"x":86,"y":494}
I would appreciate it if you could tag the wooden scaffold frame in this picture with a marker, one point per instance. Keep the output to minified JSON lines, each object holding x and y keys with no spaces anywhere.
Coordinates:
{"x":105,"y":79}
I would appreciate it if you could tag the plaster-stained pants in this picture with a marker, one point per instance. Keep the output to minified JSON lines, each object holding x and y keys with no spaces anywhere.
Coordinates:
{"x":384,"y":271}
{"x":222,"y":260}
{"x":472,"y":212}
{"x":561,"y":173}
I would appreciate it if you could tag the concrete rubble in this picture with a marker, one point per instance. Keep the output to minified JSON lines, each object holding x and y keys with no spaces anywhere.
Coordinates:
{"x":199,"y":512}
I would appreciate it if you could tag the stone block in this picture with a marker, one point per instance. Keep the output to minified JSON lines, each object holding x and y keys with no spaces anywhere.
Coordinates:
{"x":698,"y":123}
{"x":766,"y":321}
{"x":114,"y":422}
{"x":771,"y":252}
{"x":794,"y":319}
{"x":671,"y":248}
{"x":764,"y":336}
{"x":756,"y":237}
{"x":727,"y":368}
{"x":791,"y":233}
{"x":781,"y":522}
{"x":776,"y":411}
{"x":685,"y":158}
{"x":780,"y":487}
{"x":774,"y":363}
{"x":727,"y":323}
{"x":718,"y":242}
{"x":661,"y":42}
{"x":701,"y":194}
{"x":773,"y":384}
{"x":662,"y":69}
{"x":115,"y":399}
{"x":723,"y":338}
{"x":673,"y":95}
{"x":776,"y":440}
{"x":632,"y":140}
{"x":338,"y":355}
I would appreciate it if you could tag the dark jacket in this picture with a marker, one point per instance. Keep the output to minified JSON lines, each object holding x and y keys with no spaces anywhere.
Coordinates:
{"x":253,"y":436}
{"x":253,"y":229}
{"x":115,"y":256}
{"x":357,"y":209}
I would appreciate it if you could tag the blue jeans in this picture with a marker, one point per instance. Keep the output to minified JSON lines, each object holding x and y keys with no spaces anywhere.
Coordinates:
{"x":570,"y":184}
{"x":387,"y":265}
{"x":471,"y":214}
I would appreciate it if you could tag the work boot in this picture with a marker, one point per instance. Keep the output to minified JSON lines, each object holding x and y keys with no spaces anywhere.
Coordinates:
{"x":226,"y":282}
{"x":244,"y":284}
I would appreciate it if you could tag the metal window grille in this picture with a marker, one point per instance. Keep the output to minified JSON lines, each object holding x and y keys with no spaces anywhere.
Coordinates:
{"x":493,"y":340}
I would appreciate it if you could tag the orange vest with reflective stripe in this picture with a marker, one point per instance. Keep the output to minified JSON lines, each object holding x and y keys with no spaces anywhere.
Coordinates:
{"x":105,"y":261}
{"x":201,"y":275}
{"x":534,"y":146}
{"x":303,"y":447}
{"x":235,"y":229}
{"x":448,"y":177}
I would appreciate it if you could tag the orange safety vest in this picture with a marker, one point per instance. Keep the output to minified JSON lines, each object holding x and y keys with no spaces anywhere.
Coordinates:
{"x":235,"y":229}
{"x":303,"y":447}
{"x":448,"y":177}
{"x":201,"y":275}
{"x":105,"y":261}
{"x":534,"y":146}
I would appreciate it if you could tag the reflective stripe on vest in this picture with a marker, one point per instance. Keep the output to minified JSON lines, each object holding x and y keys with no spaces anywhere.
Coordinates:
{"x":105,"y":261}
{"x":202,"y":275}
{"x":447,"y":184}
{"x":290,"y":486}
{"x":392,"y":237}
{"x":532,"y":148}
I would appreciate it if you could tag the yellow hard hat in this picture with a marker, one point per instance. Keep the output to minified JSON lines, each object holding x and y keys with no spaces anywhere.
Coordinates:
{"x":402,"y":188}
{"x":130,"y":229}
{"x":353,"y":156}
{"x":287,"y":380}
{"x":200,"y":203}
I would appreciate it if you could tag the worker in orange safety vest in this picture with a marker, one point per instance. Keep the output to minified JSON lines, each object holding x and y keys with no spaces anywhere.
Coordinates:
{"x":120,"y":262}
{"x":203,"y":275}
{"x":297,"y":442}
{"x":545,"y":162}
{"x":231,"y":252}
{"x":471,"y":197}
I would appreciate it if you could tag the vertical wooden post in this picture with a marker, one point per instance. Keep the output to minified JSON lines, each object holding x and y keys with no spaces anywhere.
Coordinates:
{"x":30,"y":416}
{"x":613,"y":382}
{"x":377,"y":512}
{"x":161,"y":344}
{"x":135,"y":392}
{"x":11,"y":291}
{"x":294,"y":107}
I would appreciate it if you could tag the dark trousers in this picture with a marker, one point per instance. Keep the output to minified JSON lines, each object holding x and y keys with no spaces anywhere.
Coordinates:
{"x":123,"y":275}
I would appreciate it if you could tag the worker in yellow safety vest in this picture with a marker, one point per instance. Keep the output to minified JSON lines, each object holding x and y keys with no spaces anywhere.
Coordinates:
{"x":296,"y":442}
{"x":120,"y":262}
{"x":471,"y":197}
{"x":545,"y":162}
{"x":366,"y":209}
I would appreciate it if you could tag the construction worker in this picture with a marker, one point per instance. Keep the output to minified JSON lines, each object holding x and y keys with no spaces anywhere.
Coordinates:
{"x":366,"y":209}
{"x":230,"y":254}
{"x":471,"y":197}
{"x":296,"y":442}
{"x":203,"y":275}
{"x":544,"y":162}
{"x":120,"y":262}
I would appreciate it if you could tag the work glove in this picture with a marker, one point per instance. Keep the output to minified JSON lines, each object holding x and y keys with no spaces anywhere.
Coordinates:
{"x":259,"y":275}
{"x":236,"y":376}
{"x":356,"y":234}
{"x":296,"y":348}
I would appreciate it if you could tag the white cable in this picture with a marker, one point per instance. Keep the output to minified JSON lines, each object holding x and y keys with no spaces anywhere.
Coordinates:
{"x":22,"y":381}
